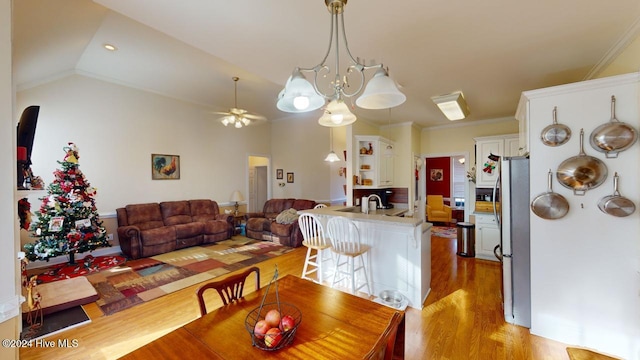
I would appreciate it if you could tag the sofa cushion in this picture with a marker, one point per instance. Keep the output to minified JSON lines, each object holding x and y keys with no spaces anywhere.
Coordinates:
{"x":157,"y":236}
{"x":145,"y":216}
{"x":258,"y":224}
{"x":204,"y":209}
{"x":214,"y":227}
{"x":302,"y":204}
{"x":175,"y":212}
{"x":274,"y":207}
{"x":288,"y":216}
{"x":192,"y":229}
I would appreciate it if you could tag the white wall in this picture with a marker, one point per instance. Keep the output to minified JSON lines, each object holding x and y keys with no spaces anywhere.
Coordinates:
{"x":117,"y":128}
{"x":585,"y":267}
{"x":9,"y":279}
{"x":299,"y":145}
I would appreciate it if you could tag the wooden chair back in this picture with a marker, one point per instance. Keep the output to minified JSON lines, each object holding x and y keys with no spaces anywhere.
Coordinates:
{"x":385,"y":346}
{"x":345,"y":237}
{"x":230,"y":288}
{"x":312,"y":231}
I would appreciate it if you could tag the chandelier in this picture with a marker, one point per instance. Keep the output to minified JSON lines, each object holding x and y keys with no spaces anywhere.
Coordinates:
{"x":300,"y":95}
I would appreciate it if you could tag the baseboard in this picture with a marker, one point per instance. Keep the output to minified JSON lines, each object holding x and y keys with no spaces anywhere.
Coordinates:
{"x":107,"y":251}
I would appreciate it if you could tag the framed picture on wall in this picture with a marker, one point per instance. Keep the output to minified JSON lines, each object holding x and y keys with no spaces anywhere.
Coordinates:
{"x":165,"y":167}
{"x":290,"y":177}
{"x":279,"y":174}
{"x":436,"y":174}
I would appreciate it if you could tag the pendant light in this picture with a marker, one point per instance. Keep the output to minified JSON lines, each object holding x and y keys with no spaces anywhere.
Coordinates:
{"x":332,"y":157}
{"x":379,"y":93}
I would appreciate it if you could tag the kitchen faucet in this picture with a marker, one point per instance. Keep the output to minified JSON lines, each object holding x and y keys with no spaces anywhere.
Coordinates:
{"x":367,"y":202}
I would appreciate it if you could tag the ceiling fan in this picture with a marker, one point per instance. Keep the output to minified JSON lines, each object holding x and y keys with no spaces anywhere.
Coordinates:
{"x":238,"y":117}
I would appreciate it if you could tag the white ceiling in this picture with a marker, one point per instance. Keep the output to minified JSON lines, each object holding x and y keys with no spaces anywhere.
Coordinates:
{"x":492,"y":50}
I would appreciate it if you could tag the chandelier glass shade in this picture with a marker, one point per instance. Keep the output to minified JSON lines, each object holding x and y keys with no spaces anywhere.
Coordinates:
{"x":337,"y":113}
{"x":379,"y":93}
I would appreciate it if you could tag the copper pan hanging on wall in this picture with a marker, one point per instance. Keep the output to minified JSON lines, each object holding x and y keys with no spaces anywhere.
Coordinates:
{"x":613,"y":136}
{"x":581,"y":172}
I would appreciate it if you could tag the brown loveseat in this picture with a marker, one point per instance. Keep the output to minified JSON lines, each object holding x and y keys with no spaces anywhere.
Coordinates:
{"x":263,"y":225}
{"x":154,"y":228}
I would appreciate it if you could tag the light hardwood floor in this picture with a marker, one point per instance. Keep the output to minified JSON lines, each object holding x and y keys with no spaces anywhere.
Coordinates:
{"x":462,"y":317}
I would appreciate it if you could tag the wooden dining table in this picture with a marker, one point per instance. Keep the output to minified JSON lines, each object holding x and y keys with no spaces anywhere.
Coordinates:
{"x":334,"y":325}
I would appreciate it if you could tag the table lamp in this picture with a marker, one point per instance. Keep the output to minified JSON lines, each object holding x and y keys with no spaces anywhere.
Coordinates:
{"x":235,"y":197}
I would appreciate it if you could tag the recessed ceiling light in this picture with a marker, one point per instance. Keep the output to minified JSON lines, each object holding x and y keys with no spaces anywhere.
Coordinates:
{"x":110,"y":47}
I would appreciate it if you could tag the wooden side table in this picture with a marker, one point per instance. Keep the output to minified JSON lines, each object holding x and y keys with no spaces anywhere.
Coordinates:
{"x":238,"y":220}
{"x":457,"y":214}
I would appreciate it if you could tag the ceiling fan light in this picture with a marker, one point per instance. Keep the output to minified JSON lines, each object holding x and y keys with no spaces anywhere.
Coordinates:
{"x":299,"y":95}
{"x":332,"y":157}
{"x":238,"y":124}
{"x":337,"y":114}
{"x":453,"y":105}
{"x":381,"y":93}
{"x":246,"y":121}
{"x":224,"y":121}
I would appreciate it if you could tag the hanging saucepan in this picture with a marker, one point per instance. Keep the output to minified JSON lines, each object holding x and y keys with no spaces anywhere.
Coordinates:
{"x":550,"y":205}
{"x":555,"y":134}
{"x":616,"y":204}
{"x":581,"y":172}
{"x":614,"y":136}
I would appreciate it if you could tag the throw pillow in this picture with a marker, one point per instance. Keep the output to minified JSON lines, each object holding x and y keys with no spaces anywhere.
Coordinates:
{"x":288,"y":216}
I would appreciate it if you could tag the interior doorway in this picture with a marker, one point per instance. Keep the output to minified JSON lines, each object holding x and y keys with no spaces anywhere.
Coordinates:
{"x":446,"y":175}
{"x":259,"y":182}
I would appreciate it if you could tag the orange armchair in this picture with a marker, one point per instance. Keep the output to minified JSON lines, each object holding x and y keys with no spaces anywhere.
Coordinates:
{"x":437,"y":211}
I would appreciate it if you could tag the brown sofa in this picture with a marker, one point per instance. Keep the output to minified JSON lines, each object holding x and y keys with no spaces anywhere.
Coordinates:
{"x":154,"y":228}
{"x":263,"y":225}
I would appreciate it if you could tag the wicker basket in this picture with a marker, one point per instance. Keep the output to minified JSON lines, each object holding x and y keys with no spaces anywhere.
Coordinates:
{"x":259,"y":313}
{"x":271,"y":342}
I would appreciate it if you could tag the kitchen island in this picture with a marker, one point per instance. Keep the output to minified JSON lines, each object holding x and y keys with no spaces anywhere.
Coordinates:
{"x":400,"y":255}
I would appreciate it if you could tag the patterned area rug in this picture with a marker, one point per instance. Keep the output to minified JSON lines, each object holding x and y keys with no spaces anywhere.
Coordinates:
{"x":444,"y":232}
{"x":145,"y":279}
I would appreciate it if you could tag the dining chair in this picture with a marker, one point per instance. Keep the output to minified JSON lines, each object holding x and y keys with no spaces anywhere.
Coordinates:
{"x":345,"y":243}
{"x":317,"y":245}
{"x":385,"y":345}
{"x":320,"y":206}
{"x":230,"y":288}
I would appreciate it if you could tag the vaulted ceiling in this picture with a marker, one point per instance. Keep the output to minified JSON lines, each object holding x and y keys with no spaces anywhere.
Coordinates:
{"x":491,"y":50}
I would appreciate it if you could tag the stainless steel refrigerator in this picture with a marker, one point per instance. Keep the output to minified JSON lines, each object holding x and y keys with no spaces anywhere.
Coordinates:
{"x":512,"y":192}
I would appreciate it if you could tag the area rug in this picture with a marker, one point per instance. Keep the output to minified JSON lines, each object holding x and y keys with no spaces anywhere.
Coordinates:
{"x":444,"y":232}
{"x":145,"y":279}
{"x":55,"y":323}
{"x":84,"y":266}
{"x":584,"y":354}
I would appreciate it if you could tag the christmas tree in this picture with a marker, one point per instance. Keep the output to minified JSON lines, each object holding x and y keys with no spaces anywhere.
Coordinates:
{"x":67,"y":222}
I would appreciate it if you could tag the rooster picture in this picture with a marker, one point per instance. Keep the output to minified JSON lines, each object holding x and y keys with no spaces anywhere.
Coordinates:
{"x":166,"y":167}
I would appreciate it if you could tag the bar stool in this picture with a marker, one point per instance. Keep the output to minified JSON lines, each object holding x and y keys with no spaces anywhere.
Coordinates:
{"x":345,"y":242}
{"x":315,"y":241}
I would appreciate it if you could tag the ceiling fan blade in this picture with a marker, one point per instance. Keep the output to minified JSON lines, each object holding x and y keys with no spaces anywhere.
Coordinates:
{"x":254,"y":117}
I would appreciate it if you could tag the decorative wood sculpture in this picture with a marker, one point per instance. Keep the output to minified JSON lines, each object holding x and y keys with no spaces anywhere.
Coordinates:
{"x":34,"y":317}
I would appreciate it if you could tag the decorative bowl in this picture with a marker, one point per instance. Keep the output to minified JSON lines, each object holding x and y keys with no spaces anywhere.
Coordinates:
{"x":391,"y":297}
{"x":259,"y":313}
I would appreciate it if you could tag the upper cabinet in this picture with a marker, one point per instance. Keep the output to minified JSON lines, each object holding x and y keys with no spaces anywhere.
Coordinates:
{"x":489,"y":149}
{"x":374,"y":165}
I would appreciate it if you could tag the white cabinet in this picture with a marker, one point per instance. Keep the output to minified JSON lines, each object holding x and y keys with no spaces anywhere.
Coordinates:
{"x":486,"y":164}
{"x":487,"y":236}
{"x":374,"y":167}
